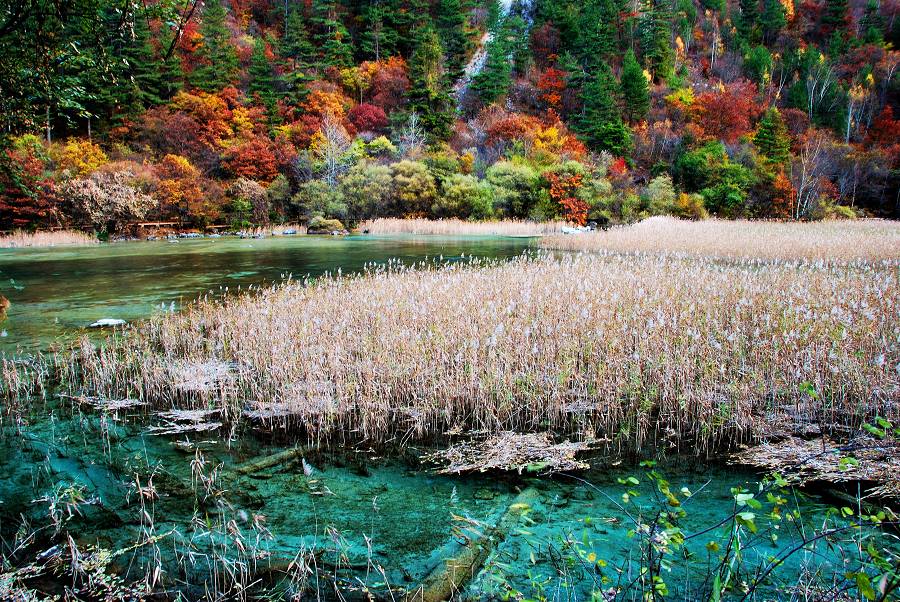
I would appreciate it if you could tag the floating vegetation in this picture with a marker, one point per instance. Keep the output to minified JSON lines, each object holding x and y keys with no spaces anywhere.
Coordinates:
{"x":863,"y":458}
{"x":516,"y":452}
{"x":180,"y":421}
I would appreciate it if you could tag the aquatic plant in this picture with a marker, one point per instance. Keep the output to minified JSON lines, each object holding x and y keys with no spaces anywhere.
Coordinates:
{"x":20,"y":239}
{"x":670,"y":352}
{"x":831,"y":241}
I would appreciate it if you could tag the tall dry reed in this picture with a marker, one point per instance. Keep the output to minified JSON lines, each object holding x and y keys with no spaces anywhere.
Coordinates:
{"x":458,"y":227}
{"x":868,"y":240}
{"x":692,"y":353}
{"x":20,"y":238}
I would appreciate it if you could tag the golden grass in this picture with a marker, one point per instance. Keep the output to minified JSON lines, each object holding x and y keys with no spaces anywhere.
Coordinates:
{"x":693,"y":353}
{"x":458,"y":227}
{"x":866,"y":240}
{"x":19,"y":239}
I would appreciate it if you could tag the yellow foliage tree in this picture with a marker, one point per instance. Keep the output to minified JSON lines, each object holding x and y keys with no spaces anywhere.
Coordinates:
{"x":79,"y":157}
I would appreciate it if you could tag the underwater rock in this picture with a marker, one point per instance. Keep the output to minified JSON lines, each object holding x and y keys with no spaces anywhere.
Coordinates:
{"x":484,"y":493}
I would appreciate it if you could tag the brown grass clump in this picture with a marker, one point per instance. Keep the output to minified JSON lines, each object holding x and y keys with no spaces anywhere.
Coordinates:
{"x":20,"y":238}
{"x":863,"y":240}
{"x":691,"y":353}
{"x":458,"y":227}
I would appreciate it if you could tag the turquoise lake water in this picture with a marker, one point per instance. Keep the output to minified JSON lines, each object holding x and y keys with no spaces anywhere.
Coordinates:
{"x":57,"y":292}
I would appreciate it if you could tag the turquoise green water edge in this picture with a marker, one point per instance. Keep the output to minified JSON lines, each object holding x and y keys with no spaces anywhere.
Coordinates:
{"x":350,"y":521}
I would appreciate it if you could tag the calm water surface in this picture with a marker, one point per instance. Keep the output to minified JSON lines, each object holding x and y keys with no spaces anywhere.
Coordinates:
{"x":57,"y":292}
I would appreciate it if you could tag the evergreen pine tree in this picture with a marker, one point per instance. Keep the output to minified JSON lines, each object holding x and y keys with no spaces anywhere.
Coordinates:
{"x":635,"y":92}
{"x":598,"y":32}
{"x":427,"y":93}
{"x":451,"y":23}
{"x":147,"y":72}
{"x":773,"y":20}
{"x":496,"y":75}
{"x":747,"y":22}
{"x":871,"y":26}
{"x":218,"y":60}
{"x":295,"y":45}
{"x":377,"y":37}
{"x":772,"y":138}
{"x":834,"y":18}
{"x":335,"y":47}
{"x":655,"y":36}
{"x":600,"y":122}
{"x":261,"y":74}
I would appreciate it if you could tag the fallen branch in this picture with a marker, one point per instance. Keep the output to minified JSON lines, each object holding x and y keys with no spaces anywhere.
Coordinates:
{"x":452,"y":574}
{"x":270,"y":461}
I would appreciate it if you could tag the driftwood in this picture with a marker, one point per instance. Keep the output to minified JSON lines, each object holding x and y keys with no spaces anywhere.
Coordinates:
{"x":270,"y":461}
{"x":452,"y":574}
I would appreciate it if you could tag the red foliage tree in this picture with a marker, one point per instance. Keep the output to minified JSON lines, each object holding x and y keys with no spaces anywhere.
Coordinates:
{"x":728,"y":113}
{"x":389,"y":84}
{"x":367,"y":117}
{"x":27,"y":197}
{"x":551,"y":85}
{"x":252,"y":159}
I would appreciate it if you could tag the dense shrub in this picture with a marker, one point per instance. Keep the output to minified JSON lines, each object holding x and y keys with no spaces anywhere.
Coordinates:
{"x":414,"y":189}
{"x":367,"y":190}
{"x":464,"y":196}
{"x":516,"y":188}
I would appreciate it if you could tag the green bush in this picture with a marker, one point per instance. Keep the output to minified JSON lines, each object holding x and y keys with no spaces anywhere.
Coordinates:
{"x":320,"y":225}
{"x":414,"y":189}
{"x":516,"y":188}
{"x":318,"y":198}
{"x":659,"y":196}
{"x":367,"y":189}
{"x":464,"y":197}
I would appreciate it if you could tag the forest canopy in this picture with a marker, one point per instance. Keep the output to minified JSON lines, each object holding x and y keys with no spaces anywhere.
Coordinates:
{"x":253,"y":111}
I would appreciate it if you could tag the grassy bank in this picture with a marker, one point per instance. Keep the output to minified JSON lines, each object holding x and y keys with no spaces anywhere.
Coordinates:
{"x":654,"y":350}
{"x":458,"y":227}
{"x":19,"y":239}
{"x":833,"y":241}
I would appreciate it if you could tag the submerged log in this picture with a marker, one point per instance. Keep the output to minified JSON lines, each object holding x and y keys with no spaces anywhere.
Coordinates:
{"x":270,"y":461}
{"x":452,"y":574}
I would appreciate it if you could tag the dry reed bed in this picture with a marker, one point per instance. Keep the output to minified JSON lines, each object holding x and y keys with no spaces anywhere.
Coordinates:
{"x":703,"y":354}
{"x":458,"y":227}
{"x":866,"y":240}
{"x":19,"y":239}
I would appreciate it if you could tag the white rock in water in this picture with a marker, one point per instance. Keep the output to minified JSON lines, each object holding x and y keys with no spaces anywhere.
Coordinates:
{"x":106,"y":322}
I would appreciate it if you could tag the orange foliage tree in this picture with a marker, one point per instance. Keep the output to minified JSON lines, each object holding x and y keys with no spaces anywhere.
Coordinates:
{"x":178,"y":190}
{"x":563,"y":189}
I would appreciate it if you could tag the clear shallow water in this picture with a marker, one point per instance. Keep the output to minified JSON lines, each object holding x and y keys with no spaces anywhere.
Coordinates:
{"x":57,"y":292}
{"x":354,"y":513}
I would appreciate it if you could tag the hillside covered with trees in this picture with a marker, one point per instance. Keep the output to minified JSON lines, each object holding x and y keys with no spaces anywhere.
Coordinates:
{"x":253,"y":111}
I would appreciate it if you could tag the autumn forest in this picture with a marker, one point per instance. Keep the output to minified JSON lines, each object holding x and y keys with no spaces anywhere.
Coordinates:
{"x":250,"y":112}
